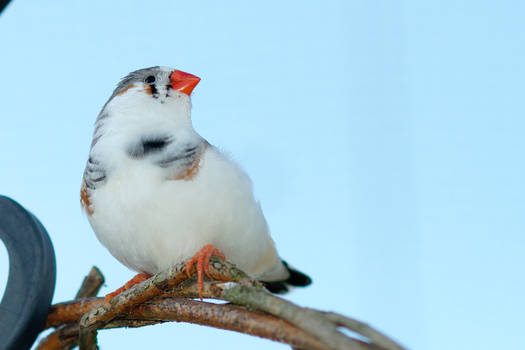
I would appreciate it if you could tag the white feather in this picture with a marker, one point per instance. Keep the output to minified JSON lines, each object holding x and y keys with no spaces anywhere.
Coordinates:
{"x":149,"y":221}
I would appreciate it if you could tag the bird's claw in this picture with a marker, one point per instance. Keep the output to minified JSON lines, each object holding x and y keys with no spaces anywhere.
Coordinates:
{"x":203,"y":260}
{"x":141,"y":277}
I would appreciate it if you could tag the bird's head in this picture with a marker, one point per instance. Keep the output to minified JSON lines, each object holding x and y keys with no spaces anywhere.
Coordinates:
{"x":156,"y":91}
{"x":148,"y":101}
{"x":158,"y":83}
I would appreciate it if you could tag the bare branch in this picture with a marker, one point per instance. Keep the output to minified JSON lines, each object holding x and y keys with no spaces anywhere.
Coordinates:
{"x":66,"y":335}
{"x":91,"y":284}
{"x":165,"y":297}
{"x":361,"y":328}
{"x":223,"y":316}
{"x":261,"y":300}
{"x":229,"y":317}
{"x":99,"y":316}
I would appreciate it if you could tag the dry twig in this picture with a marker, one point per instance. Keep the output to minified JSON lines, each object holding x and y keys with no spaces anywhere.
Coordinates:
{"x":165,"y":297}
{"x":66,"y":334}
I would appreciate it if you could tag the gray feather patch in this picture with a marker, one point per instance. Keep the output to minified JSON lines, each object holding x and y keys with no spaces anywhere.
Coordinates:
{"x":166,"y":151}
{"x":183,"y":156}
{"x":138,"y":76}
{"x":94,"y":174}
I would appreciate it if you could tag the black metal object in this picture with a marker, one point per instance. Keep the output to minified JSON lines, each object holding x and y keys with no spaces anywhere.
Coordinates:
{"x":3,"y":4}
{"x":31,"y":280}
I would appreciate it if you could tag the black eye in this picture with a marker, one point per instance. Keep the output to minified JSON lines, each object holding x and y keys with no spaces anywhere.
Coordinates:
{"x":150,"y":79}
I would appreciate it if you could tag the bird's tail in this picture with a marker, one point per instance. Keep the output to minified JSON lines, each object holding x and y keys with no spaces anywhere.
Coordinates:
{"x":296,"y":279}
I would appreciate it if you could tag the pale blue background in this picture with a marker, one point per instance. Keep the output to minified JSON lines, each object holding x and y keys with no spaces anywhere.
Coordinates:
{"x":385,"y":141}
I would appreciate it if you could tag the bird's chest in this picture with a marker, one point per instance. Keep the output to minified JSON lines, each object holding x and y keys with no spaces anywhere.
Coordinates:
{"x":149,"y":222}
{"x":139,"y":202}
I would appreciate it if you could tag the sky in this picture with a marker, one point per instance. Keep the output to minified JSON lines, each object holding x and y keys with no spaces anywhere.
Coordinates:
{"x":384,"y":139}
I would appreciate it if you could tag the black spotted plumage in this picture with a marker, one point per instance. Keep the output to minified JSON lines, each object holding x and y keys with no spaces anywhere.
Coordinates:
{"x":148,"y":144}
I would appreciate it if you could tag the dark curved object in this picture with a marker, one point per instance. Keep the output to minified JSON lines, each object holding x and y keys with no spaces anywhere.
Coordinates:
{"x":3,"y":4}
{"x":296,"y":279}
{"x":31,"y":282}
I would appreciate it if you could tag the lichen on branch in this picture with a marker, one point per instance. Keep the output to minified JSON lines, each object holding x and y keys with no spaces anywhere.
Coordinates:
{"x":169,"y":296}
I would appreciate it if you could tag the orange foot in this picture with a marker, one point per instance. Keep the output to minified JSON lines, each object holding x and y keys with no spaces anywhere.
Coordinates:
{"x":203,"y":261}
{"x":141,"y":277}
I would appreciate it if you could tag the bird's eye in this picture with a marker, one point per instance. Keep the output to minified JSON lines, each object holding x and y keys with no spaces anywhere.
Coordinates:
{"x":150,"y":79}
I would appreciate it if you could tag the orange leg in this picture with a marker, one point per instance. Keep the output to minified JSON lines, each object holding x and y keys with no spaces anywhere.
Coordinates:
{"x":203,"y":260}
{"x":141,"y":277}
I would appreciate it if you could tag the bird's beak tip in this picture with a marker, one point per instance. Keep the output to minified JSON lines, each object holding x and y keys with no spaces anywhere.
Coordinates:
{"x":183,"y":82}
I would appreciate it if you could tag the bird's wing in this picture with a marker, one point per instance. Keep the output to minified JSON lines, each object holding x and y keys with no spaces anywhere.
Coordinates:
{"x":94,"y":176}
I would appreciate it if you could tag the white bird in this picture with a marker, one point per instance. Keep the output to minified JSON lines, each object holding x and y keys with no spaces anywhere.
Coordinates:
{"x":156,"y":193}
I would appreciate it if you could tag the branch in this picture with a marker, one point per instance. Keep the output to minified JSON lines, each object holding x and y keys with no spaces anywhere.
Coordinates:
{"x":91,"y":284}
{"x":124,"y":302}
{"x":361,"y":328}
{"x":228,"y":317}
{"x":164,"y":297}
{"x":313,"y":323}
{"x":66,"y":335}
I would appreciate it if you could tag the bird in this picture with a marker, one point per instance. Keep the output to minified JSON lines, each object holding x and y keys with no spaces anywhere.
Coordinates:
{"x":156,"y":193}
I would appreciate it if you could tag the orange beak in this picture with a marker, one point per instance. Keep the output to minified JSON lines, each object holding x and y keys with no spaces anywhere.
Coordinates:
{"x":183,"y":82}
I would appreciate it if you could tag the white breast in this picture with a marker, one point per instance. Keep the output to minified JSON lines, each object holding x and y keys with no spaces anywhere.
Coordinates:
{"x":149,"y":223}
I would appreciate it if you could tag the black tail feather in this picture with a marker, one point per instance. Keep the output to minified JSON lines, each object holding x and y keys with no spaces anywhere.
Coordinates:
{"x":296,"y":279}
